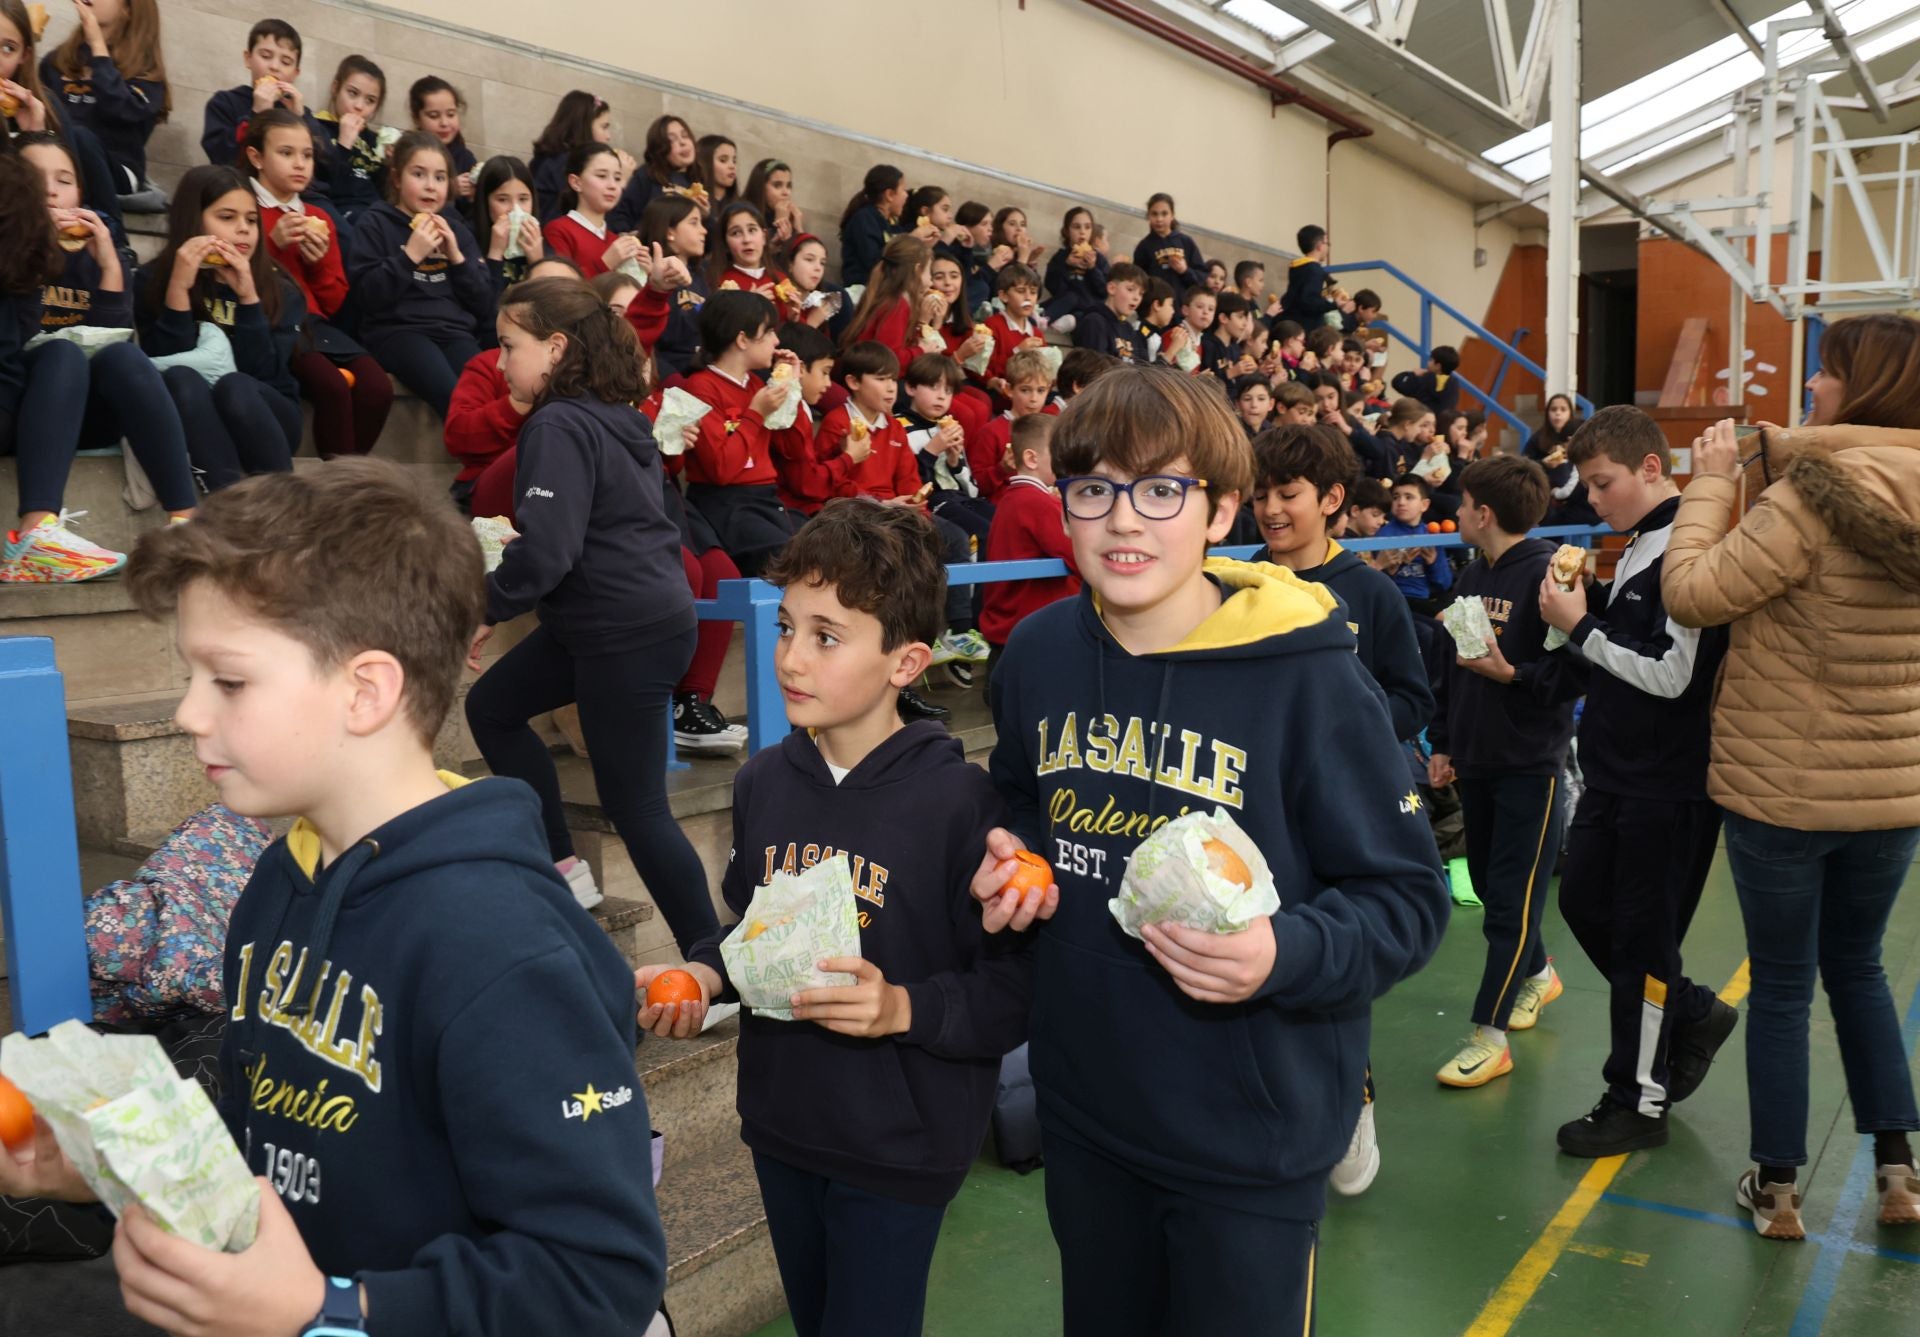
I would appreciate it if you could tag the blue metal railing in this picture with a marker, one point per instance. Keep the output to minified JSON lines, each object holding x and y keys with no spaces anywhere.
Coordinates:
{"x":1816,"y":326}
{"x":755,"y":604}
{"x":1429,"y":303}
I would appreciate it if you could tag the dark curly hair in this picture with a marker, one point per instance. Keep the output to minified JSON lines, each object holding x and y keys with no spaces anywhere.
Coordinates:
{"x":883,"y":560}
{"x":602,"y":357}
{"x":29,"y":258}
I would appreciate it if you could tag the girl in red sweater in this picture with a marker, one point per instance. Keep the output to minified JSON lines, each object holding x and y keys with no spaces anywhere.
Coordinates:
{"x":897,"y":310}
{"x":815,"y":301}
{"x":731,"y":478}
{"x":740,"y":260}
{"x":350,"y":391}
{"x":581,"y":233}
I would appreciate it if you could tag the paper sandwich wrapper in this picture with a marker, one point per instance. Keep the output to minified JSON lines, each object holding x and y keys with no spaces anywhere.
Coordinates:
{"x":792,"y":924}
{"x":1467,"y":622}
{"x":138,"y":1132}
{"x":1168,"y":880}
{"x":678,"y":411}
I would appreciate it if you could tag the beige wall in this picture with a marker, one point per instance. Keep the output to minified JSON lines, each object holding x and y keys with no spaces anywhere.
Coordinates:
{"x":1122,"y":117}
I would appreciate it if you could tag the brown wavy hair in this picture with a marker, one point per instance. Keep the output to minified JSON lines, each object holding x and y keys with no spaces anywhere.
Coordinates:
{"x":881,"y":560}
{"x":136,"y":51}
{"x":1878,"y":359}
{"x":602,"y":356}
{"x":28,"y":259}
{"x":1140,"y":420}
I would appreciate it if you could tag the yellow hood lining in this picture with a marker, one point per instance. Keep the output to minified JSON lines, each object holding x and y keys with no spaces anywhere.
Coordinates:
{"x":303,"y":841}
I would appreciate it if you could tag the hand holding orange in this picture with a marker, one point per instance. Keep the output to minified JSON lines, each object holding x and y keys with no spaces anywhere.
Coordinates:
{"x":673,"y":987}
{"x":16,"y":1116}
{"x":1031,"y":874}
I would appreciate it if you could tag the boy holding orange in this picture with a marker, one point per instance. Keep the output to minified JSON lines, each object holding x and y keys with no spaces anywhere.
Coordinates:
{"x":1194,"y":1089}
{"x":865,"y":1111}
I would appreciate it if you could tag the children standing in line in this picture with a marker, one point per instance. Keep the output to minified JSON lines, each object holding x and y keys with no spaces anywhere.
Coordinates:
{"x":350,"y":391}
{"x":581,"y":118}
{"x":351,"y":159}
{"x":504,"y":188}
{"x":582,"y":233}
{"x":110,"y":76}
{"x":69,"y":400}
{"x":241,"y":409}
{"x":1500,"y":729}
{"x":417,"y":265}
{"x":406,"y":949}
{"x":272,"y":59}
{"x":437,"y":107}
{"x":1643,"y":836}
{"x":865,"y":1111}
{"x":599,"y":557}
{"x":1194,"y":1088}
{"x":1026,"y":525}
{"x":1166,"y":252}
{"x":731,"y":470}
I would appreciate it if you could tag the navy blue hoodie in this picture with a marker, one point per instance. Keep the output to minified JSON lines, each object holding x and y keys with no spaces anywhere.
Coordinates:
{"x":1378,"y":616}
{"x":1071,"y":291}
{"x":434,"y":298}
{"x":1305,"y":300}
{"x":1153,"y":253}
{"x":1247,"y":1105}
{"x":430,"y":1054}
{"x":262,"y":351}
{"x":598,"y":553}
{"x":902,"y":1116}
{"x":1101,"y":330}
{"x":863,"y":237}
{"x":225,"y":127}
{"x":121,"y":112}
{"x":75,"y":297}
{"x":1492,"y":729}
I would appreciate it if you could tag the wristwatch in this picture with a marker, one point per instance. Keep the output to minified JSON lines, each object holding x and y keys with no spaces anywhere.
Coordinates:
{"x":339,"y":1314}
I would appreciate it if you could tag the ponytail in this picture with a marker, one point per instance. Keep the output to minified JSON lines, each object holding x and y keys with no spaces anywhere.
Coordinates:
{"x":880,"y":179}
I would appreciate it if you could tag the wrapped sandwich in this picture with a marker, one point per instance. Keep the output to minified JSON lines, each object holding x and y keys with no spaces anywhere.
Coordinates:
{"x":1566,"y":568}
{"x":792,"y":924}
{"x":1200,"y":870}
{"x":784,"y":377}
{"x":678,"y":411}
{"x":1467,"y":622}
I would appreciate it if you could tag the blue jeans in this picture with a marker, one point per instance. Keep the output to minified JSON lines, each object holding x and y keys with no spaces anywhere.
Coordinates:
{"x":1819,"y":901}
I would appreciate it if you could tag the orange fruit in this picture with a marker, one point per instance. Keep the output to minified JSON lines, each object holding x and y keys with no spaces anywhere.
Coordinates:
{"x":16,"y":1116}
{"x":1433,"y":526}
{"x":673,"y":986}
{"x":346,"y":376}
{"x":1448,"y":526}
{"x":1031,"y":874}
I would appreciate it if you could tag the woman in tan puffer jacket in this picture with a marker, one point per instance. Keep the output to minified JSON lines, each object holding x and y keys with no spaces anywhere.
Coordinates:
{"x":1816,"y":735}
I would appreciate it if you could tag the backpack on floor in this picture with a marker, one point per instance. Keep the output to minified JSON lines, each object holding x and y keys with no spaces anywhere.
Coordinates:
{"x":1016,"y":1117}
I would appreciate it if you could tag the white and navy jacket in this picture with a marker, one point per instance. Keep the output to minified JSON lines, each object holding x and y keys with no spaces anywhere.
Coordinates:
{"x":1644,"y":730}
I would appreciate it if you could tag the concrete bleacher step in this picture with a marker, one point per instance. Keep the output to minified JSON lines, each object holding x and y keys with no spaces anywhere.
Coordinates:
{"x":721,"y":1276}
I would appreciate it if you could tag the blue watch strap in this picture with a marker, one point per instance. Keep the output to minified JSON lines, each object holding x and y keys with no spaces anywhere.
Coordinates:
{"x":339,"y":1311}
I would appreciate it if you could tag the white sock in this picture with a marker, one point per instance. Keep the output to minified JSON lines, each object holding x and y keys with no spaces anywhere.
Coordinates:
{"x":1488,"y":1035}
{"x":1546,"y":973}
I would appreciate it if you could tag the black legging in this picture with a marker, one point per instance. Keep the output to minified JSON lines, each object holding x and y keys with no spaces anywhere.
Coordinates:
{"x":428,"y":367}
{"x":624,"y":699}
{"x":235,"y":427}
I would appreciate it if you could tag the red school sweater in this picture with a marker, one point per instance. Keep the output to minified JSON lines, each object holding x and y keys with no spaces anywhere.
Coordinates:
{"x":481,"y":419}
{"x":889,"y":471}
{"x":1007,"y":341}
{"x":572,"y":238}
{"x":1026,"y":524}
{"x":324,"y":282}
{"x":807,"y":482}
{"x":735,"y":448}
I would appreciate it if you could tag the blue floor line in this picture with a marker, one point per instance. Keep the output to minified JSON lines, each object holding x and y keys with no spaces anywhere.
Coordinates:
{"x":1736,"y":1223}
{"x":1811,"y":1317}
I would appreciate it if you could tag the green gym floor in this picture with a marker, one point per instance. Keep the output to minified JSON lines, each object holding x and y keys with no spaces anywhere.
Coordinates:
{"x":1478,"y":1226}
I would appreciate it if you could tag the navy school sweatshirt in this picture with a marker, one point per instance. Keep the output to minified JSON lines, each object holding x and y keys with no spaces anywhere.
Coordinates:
{"x":1099,"y":329}
{"x":1644,"y":732}
{"x":598,"y":554}
{"x":75,"y":297}
{"x":1305,"y":301}
{"x":679,"y":344}
{"x":430,"y":1055}
{"x":1246,"y":1105}
{"x":19,"y":322}
{"x":1378,"y":616}
{"x":121,"y":112}
{"x":225,"y":126}
{"x":1493,"y":729}
{"x":353,"y":175}
{"x":549,"y":172}
{"x":863,"y":237}
{"x":1153,"y":254}
{"x":902,"y":1116}
{"x":1071,"y":291}
{"x":435,"y":298}
{"x":262,"y":351}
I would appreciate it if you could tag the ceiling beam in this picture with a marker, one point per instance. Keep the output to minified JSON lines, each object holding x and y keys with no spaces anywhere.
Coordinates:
{"x":1837,"y":34}
{"x":1740,"y":28}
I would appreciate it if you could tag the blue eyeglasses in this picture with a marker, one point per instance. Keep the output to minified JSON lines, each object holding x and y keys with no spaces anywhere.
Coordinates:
{"x":1155,"y":497}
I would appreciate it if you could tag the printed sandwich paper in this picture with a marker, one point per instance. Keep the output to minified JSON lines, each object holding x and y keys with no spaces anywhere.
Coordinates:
{"x":678,"y":411}
{"x":1170,"y":880}
{"x":792,"y":924}
{"x":138,"y":1132}
{"x":1467,"y":622}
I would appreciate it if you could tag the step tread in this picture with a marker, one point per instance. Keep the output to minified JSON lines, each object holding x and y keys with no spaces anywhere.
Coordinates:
{"x":709,"y":1206}
{"x":125,"y":719}
{"x":91,"y":596}
{"x":658,"y":1060}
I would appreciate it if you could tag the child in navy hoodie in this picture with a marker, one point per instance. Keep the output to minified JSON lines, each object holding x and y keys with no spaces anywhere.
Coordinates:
{"x":1211,"y":1080}
{"x":110,"y":77}
{"x":865,"y":1111}
{"x":273,"y":63}
{"x":1500,"y":730}
{"x":1167,"y":253}
{"x":599,"y":558}
{"x":418,"y":277}
{"x":408,"y":983}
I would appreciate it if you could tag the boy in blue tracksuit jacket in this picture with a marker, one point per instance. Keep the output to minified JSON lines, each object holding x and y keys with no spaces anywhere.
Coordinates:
{"x":429,"y":1047}
{"x":865,"y":1111}
{"x":1211,"y":1079}
{"x":1423,"y":575}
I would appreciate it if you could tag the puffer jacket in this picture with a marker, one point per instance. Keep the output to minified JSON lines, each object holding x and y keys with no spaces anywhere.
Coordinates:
{"x":1816,"y":720}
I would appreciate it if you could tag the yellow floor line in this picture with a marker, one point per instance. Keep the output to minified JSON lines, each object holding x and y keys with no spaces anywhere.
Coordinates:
{"x":1517,"y":1291}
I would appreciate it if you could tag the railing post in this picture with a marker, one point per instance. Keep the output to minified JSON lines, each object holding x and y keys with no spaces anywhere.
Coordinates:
{"x":766,"y":706}
{"x":1426,"y":327}
{"x":39,"y":851}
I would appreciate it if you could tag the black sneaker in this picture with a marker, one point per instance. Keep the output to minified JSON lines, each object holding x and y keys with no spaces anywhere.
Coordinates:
{"x":1690,"y":1050}
{"x":700,"y":728}
{"x":959,"y":673}
{"x":913,"y":706}
{"x":1611,"y":1129}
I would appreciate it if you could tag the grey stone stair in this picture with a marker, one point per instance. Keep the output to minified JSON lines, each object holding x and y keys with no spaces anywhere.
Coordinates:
{"x":721,"y":1277}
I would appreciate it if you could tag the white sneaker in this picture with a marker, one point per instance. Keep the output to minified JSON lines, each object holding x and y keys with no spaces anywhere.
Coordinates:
{"x":52,"y":554}
{"x":1356,"y":1169}
{"x":580,"y":882}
